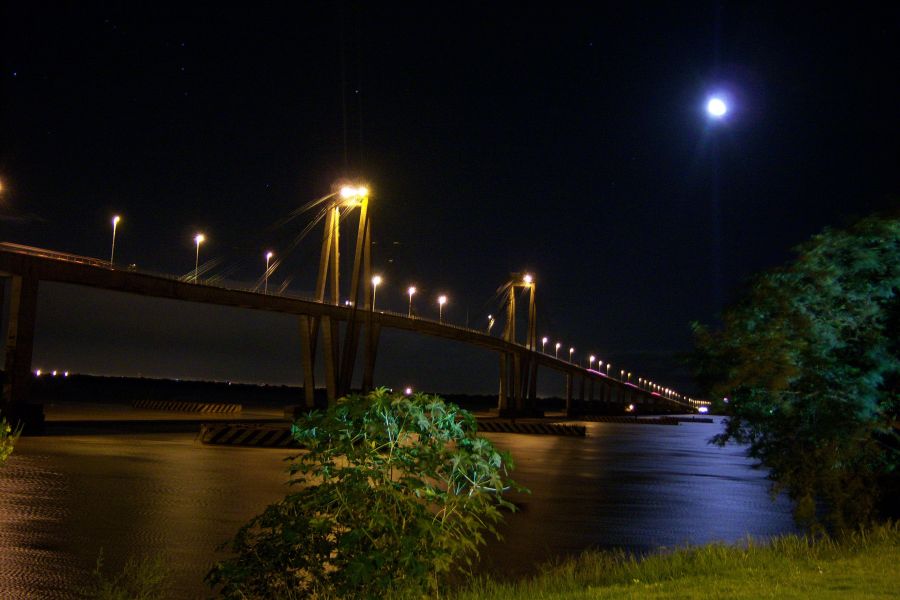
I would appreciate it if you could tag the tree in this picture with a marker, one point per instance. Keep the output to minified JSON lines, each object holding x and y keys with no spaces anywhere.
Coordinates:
{"x":807,"y":366}
{"x":394,"y":494}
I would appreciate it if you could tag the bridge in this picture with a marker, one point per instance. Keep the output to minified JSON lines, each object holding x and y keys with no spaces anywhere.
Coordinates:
{"x":320,"y":319}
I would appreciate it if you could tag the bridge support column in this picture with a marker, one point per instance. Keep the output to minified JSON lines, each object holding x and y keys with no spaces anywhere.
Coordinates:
{"x":373,"y":333}
{"x":503,"y":396}
{"x":532,"y":384}
{"x":307,"y":355}
{"x":19,"y":349}
{"x":330,"y":341}
{"x":569,"y":383}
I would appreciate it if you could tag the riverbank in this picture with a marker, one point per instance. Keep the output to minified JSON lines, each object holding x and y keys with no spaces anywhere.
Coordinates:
{"x":863,"y":565}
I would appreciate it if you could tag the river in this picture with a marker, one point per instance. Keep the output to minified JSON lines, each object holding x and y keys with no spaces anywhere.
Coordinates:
{"x":64,"y":498}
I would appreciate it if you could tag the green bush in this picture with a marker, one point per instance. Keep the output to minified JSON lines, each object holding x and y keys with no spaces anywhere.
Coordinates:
{"x":395,"y":494}
{"x":140,"y":579}
{"x":8,"y":439}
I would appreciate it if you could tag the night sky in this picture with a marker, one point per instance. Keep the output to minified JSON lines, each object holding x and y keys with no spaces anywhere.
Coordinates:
{"x":568,"y":141}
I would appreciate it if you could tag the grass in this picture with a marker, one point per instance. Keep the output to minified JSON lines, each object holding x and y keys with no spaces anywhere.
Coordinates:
{"x":863,"y":565}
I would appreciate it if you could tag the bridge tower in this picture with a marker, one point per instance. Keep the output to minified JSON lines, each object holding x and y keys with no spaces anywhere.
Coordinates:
{"x":340,"y":359}
{"x":518,"y":370}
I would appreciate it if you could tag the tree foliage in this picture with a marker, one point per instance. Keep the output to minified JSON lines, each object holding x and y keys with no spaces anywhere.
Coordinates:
{"x":394,"y":493}
{"x":808,"y":361}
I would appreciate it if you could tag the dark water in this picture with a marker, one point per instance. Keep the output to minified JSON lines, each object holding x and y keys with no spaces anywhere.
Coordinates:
{"x":63,"y":498}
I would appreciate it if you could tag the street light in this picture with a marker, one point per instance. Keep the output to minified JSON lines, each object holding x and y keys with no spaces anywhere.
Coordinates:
{"x":608,"y":365}
{"x":411,"y":291}
{"x":375,"y":281}
{"x":543,"y":345}
{"x":528,"y":279}
{"x":269,"y":256}
{"x":591,"y":360}
{"x":571,"y":352}
{"x":199,"y":238}
{"x":556,"y":354}
{"x":442,"y":300}
{"x":112,"y":252}
{"x":490,"y":323}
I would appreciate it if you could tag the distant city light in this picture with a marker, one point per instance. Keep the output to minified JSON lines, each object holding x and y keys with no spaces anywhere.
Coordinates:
{"x":408,"y":391}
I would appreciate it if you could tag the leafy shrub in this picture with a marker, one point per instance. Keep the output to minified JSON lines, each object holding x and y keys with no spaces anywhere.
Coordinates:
{"x":140,"y":579}
{"x":8,"y":439}
{"x":394,"y":494}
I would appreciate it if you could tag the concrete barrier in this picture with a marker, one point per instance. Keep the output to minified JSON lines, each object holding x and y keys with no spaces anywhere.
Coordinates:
{"x":497,"y":426}
{"x":237,"y":434}
{"x":186,"y":406}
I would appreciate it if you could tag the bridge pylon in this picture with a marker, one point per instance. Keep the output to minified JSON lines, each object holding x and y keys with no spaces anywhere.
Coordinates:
{"x":340,"y":358}
{"x":518,"y":370}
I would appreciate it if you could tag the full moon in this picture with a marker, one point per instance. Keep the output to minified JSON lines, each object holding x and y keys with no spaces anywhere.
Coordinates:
{"x":716,"y":107}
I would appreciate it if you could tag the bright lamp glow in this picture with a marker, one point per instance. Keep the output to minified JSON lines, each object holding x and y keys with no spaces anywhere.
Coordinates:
{"x":376,"y":280}
{"x":527,"y":279}
{"x":199,"y":238}
{"x":716,"y":107}
{"x":269,"y":255}
{"x":442,"y":300}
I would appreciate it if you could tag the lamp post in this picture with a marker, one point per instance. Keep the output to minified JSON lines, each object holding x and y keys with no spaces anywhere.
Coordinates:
{"x":591,"y":360}
{"x":199,"y":239}
{"x":442,"y":300}
{"x":410,"y":291}
{"x":556,"y":353}
{"x":608,"y":365}
{"x":571,"y":352}
{"x":375,"y":281}
{"x":544,"y":345}
{"x":112,"y":252}
{"x":269,"y":256}
{"x":490,"y":323}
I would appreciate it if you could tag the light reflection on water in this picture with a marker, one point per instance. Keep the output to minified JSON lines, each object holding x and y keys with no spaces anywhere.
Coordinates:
{"x":62,"y":499}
